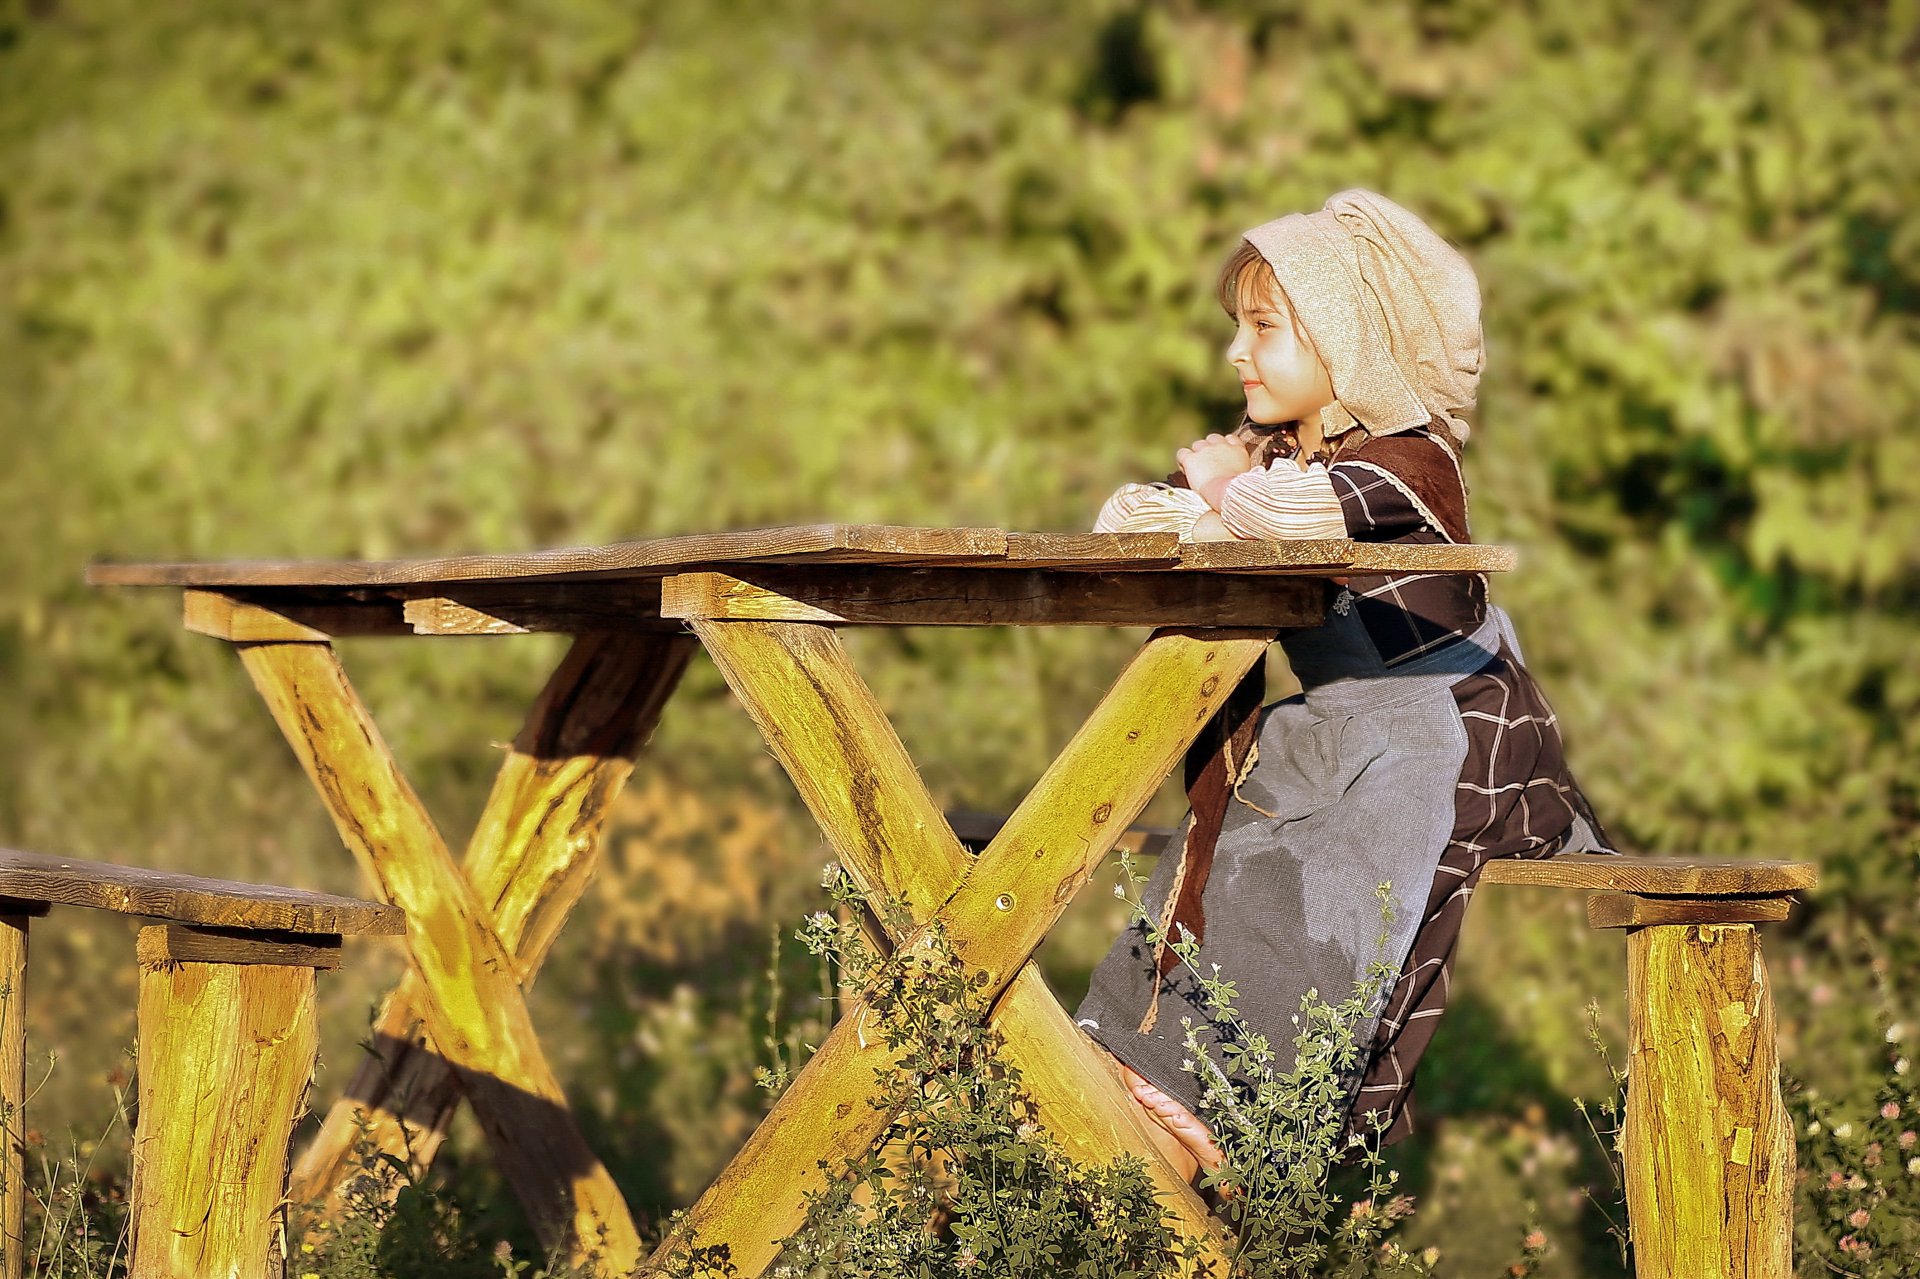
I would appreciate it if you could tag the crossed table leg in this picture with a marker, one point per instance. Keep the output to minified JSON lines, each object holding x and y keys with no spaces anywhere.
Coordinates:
{"x":848,"y":764}
{"x":476,"y":940}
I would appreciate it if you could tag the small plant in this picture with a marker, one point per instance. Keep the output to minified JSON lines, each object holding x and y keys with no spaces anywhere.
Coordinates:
{"x":1606,"y":1120}
{"x":1284,"y":1127}
{"x":965,"y":1183}
{"x":1859,"y":1181}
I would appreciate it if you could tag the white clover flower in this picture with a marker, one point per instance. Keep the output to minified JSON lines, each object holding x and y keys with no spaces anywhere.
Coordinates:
{"x":1896,"y":1032}
{"x":1900,"y":1066}
{"x":1813,"y":1127}
{"x":1913,"y":1166}
{"x":1844,"y":1131}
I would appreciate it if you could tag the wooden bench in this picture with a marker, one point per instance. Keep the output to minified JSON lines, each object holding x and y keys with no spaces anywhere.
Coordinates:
{"x":227,"y":1041}
{"x":1707,"y":1148}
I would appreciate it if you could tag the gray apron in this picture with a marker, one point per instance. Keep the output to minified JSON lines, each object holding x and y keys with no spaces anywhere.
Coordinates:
{"x":1353,"y":788}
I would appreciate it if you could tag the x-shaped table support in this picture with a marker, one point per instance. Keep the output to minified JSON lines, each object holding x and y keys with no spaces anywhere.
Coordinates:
{"x":476,"y":937}
{"x":849,"y":765}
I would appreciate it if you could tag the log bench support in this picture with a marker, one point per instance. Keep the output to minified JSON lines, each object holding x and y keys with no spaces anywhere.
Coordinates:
{"x":227,"y":1041}
{"x":1707,"y":1146}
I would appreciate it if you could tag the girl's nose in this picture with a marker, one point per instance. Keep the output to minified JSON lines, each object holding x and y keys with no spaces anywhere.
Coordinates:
{"x":1238,"y":348}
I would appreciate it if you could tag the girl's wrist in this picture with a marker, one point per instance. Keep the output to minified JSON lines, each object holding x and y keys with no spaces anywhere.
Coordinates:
{"x":1214,"y":491}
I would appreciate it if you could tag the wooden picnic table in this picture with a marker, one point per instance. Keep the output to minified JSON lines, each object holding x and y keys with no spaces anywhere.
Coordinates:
{"x":766,"y":605}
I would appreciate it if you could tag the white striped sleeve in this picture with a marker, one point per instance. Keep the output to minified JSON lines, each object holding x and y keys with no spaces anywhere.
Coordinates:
{"x":1151,"y":508}
{"x":1282,"y":501}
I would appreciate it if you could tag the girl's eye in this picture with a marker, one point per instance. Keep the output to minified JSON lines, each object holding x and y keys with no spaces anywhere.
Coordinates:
{"x":1261,"y":326}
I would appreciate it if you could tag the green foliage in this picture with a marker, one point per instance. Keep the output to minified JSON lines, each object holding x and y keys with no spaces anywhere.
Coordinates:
{"x":965,"y":1181}
{"x":366,"y":280}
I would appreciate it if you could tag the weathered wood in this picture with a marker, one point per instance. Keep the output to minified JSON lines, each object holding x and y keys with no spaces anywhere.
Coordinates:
{"x":817,"y":543}
{"x":473,"y":1005}
{"x":226,"y":1053}
{"x":1708,"y":1146}
{"x":998,"y":597}
{"x":13,"y":1094}
{"x":287,"y":616}
{"x":829,"y":544}
{"x":1629,"y":910}
{"x":189,"y":899}
{"x":517,"y":609}
{"x":879,"y":810}
{"x":1339,"y":557}
{"x":976,"y":831}
{"x":530,"y":858}
{"x":1654,"y":876}
{"x":191,"y":944}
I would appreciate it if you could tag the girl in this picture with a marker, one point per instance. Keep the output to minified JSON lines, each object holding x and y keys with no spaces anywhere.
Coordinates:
{"x":1419,"y":748}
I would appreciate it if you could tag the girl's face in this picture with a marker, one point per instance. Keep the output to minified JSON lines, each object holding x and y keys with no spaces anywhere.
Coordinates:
{"x":1279,"y":370}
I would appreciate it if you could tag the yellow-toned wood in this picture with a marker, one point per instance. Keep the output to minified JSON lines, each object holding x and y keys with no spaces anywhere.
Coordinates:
{"x":529,"y":860}
{"x":470,"y":986}
{"x":1655,"y":876}
{"x":283,"y":616}
{"x":514,"y":608}
{"x":994,"y":597}
{"x":877,"y":806}
{"x":226,"y":1053}
{"x":824,"y":724}
{"x":1708,"y":1147}
{"x":13,"y":1093}
{"x":1627,"y":910}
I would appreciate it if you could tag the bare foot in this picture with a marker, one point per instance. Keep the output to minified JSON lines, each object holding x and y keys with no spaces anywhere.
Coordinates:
{"x":1186,"y":1127}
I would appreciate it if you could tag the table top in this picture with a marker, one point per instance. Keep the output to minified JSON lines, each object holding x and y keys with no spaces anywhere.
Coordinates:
{"x":878,"y":545}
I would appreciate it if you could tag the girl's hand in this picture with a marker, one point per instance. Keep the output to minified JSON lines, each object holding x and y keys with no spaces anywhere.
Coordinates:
{"x":1210,"y":463}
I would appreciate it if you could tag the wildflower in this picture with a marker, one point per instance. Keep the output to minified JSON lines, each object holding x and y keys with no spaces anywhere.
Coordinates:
{"x":1859,"y":1218}
{"x":1900,"y":1066}
{"x":1120,"y":891}
{"x":1856,"y":1182}
{"x":1896,"y":1032}
{"x":820,"y":919}
{"x":1890,"y":1111}
{"x":1913,"y":1166}
{"x":1813,"y":1128}
{"x":1430,"y":1255}
{"x":966,"y":1260}
{"x":1844,"y":1131}
{"x":1907,"y":1139}
{"x":1535,"y":1240}
{"x":1833,"y":1180}
{"x":1821,"y":994}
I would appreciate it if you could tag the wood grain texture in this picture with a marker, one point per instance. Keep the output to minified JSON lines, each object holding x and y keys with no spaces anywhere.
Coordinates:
{"x":226,"y":1053}
{"x":1654,"y":876}
{"x":191,"y":944}
{"x":472,"y":1002}
{"x":13,"y":1094}
{"x":1708,"y":1145}
{"x":816,"y":543}
{"x":824,"y":725}
{"x":287,"y":616}
{"x":530,"y":858}
{"x":844,"y":544}
{"x":1628,"y":910}
{"x":189,"y":899}
{"x":572,"y":608}
{"x":994,"y":597}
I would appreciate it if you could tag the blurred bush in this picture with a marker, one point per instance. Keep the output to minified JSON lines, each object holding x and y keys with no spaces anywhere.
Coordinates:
{"x":366,"y":280}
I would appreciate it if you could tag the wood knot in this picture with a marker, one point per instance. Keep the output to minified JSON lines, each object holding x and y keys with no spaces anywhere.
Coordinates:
{"x":1101,"y":814}
{"x":1208,"y":685}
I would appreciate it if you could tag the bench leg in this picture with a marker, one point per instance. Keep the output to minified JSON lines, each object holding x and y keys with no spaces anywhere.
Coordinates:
{"x":13,"y":1094}
{"x":226,"y":1054}
{"x":1708,"y":1145}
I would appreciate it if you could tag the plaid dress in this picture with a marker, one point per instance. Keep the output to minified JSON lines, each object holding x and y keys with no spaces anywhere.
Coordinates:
{"x":1511,"y":796}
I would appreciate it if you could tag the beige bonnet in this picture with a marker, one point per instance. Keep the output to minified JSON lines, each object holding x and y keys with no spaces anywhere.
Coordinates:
{"x":1393,"y":309}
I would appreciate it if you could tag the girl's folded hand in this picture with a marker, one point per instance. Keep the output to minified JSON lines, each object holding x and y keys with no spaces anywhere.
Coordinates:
{"x":1208,"y":464}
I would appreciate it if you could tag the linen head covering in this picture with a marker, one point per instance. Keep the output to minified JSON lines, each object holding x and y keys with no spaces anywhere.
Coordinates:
{"x":1393,"y":309}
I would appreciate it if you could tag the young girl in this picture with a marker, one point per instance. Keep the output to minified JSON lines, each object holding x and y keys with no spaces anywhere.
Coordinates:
{"x":1420,"y":746}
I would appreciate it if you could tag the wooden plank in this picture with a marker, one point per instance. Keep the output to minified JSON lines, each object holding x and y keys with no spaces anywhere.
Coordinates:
{"x":997,"y":597}
{"x":191,"y":944}
{"x":1707,"y":1144}
{"x":473,"y":1005}
{"x":530,"y":858}
{"x":189,"y":899}
{"x":572,"y":608}
{"x":1654,"y":876}
{"x":1093,"y":550}
{"x":851,"y":769}
{"x":1341,"y":556}
{"x":822,"y":543}
{"x":265,"y":616}
{"x":226,"y":1052}
{"x":13,"y":1095}
{"x":1628,"y":910}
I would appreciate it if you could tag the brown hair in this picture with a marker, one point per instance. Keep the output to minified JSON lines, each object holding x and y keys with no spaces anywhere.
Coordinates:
{"x":1246,"y":276}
